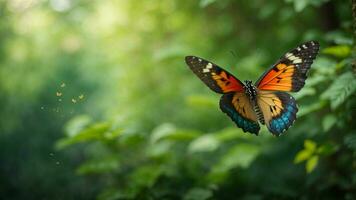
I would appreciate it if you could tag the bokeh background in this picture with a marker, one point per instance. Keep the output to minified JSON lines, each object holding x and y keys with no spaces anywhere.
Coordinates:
{"x":98,"y":103}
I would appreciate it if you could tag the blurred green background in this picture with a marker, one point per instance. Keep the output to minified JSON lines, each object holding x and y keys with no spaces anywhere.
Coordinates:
{"x":98,"y":103}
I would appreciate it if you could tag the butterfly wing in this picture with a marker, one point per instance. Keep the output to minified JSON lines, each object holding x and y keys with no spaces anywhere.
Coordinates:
{"x":279,"y":110}
{"x":238,"y":107}
{"x":216,"y":78}
{"x":290,"y":72}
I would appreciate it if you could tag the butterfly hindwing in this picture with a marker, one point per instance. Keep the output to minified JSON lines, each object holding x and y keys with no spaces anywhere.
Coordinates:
{"x":238,"y":107}
{"x":279,"y":110}
{"x":216,"y":78}
{"x":290,"y":72}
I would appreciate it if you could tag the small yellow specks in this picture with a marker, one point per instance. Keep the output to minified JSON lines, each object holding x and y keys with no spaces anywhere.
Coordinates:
{"x":74,"y":101}
{"x":63,"y":85}
{"x":58,"y":94}
{"x":81,"y":96}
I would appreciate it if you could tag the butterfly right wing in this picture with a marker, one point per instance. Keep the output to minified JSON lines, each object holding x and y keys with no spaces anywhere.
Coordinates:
{"x":238,"y":107}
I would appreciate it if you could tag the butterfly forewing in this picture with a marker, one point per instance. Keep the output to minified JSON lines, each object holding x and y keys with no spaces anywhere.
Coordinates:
{"x":216,"y":78}
{"x":290,"y":72}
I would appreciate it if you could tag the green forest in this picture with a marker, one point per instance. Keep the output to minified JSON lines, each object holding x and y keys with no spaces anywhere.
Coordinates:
{"x":97,"y":101}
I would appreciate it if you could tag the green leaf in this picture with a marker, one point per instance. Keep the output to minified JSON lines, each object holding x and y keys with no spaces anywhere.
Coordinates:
{"x":169,"y":132}
{"x":343,"y":87}
{"x":240,"y":155}
{"x":341,"y":51}
{"x":162,"y":131}
{"x":311,"y":108}
{"x":205,"y":3}
{"x":299,"y":5}
{"x":302,"y":156}
{"x":310,"y":145}
{"x":312,"y":163}
{"x":323,"y":66}
{"x":350,"y":141}
{"x":204,"y":143}
{"x":198,"y":194}
{"x":99,"y":165}
{"x":305,"y":92}
{"x":145,"y":176}
{"x":339,"y":37}
{"x":96,"y":131}
{"x":327,"y":149}
{"x":76,"y":125}
{"x":328,"y":122}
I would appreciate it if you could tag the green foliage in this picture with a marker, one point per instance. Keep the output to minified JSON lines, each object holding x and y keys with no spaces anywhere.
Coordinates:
{"x":342,"y":88}
{"x":99,"y":104}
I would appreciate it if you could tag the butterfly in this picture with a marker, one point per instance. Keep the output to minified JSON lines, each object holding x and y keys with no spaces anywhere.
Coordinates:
{"x":267,"y":101}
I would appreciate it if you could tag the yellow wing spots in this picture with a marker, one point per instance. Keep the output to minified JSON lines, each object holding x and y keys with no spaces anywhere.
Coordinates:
{"x":281,"y":66}
{"x":58,"y":94}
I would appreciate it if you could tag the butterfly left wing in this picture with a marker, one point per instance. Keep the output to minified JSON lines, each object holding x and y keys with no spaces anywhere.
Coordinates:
{"x":290,"y":72}
{"x":238,"y":107}
{"x":216,"y":78}
{"x":279,"y":110}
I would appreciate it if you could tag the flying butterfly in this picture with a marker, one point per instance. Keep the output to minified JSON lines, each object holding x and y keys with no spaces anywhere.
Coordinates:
{"x":266,"y":101}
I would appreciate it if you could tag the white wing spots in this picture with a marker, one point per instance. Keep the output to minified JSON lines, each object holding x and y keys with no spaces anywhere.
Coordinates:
{"x":299,"y":49}
{"x":296,"y":61}
{"x":205,"y":70}
{"x":293,"y":58}
{"x":199,"y":60}
{"x":312,"y":43}
{"x":304,"y":46}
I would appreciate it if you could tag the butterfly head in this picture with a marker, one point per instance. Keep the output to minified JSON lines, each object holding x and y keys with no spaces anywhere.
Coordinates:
{"x":250,"y":90}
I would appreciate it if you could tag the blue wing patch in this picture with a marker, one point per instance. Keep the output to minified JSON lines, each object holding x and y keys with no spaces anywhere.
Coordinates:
{"x":280,"y":123}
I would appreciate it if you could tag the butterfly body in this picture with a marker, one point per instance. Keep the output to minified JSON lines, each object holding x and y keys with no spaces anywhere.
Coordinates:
{"x":266,"y":101}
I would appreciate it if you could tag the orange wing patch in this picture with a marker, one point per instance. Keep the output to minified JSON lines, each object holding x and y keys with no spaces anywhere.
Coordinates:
{"x":279,"y":78}
{"x":290,"y":72}
{"x":243,"y":106}
{"x":225,"y":82}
